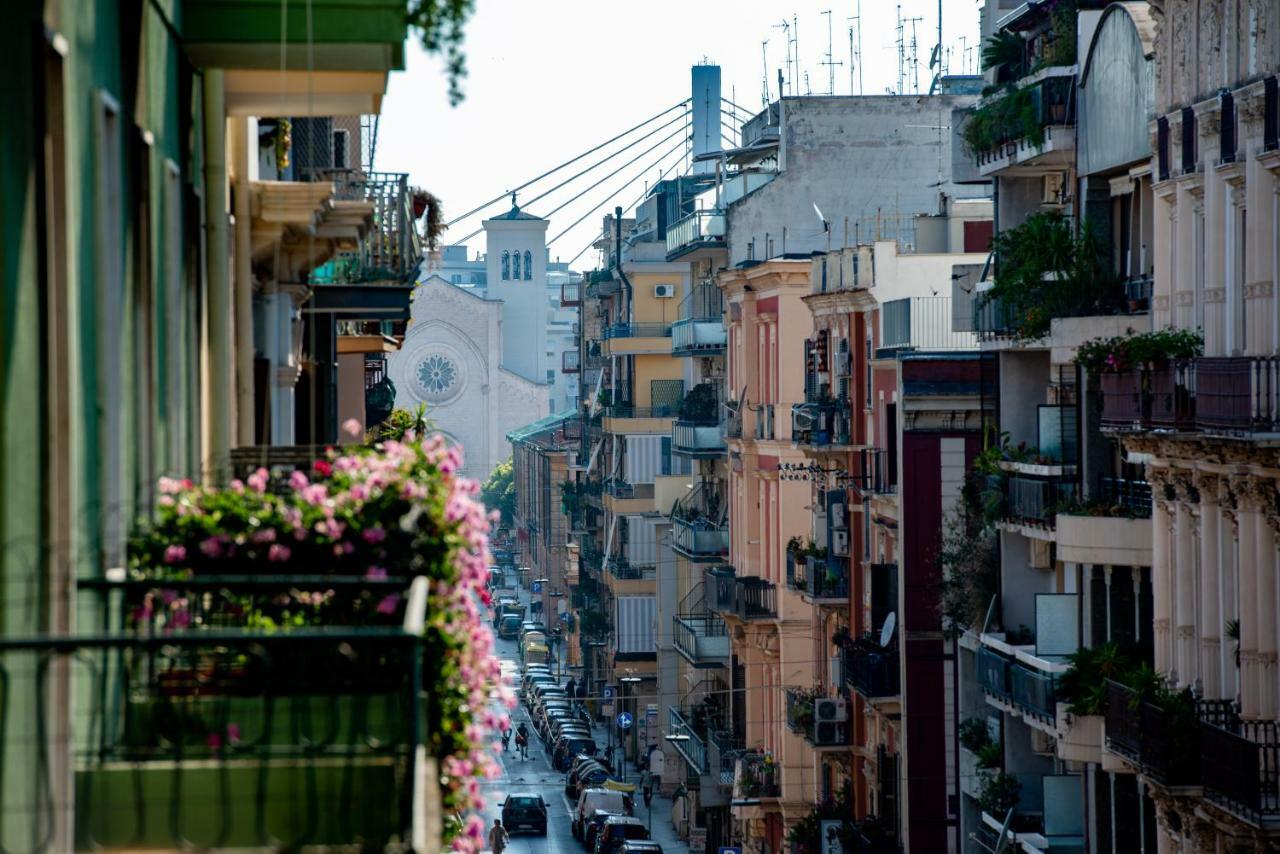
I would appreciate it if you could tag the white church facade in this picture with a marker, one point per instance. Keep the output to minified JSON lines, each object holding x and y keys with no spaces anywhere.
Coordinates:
{"x":480,"y":358}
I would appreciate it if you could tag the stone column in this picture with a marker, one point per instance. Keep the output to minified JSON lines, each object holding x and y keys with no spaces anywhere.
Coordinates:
{"x":1210,"y":604}
{"x":282,"y":335}
{"x":1248,"y":546}
{"x":1264,"y":494}
{"x":1161,"y":593}
{"x":1184,"y":578}
{"x":1228,"y":584}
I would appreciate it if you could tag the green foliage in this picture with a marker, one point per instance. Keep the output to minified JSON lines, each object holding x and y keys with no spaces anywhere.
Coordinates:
{"x":973,"y":734}
{"x":439,"y":25}
{"x":1061,"y":46}
{"x":1046,"y":268}
{"x":1134,"y":350}
{"x":1006,"y":52}
{"x":1084,"y":686}
{"x":700,"y":404}
{"x":499,"y":491}
{"x":969,"y":558}
{"x":990,"y":754}
{"x":404,"y":422}
{"x":998,"y":793}
{"x":1003,"y":119}
{"x":805,"y":836}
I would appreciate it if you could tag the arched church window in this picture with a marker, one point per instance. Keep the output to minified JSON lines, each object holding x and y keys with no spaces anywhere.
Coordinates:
{"x":528,"y":264}
{"x":506,"y":265}
{"x":515,"y":271}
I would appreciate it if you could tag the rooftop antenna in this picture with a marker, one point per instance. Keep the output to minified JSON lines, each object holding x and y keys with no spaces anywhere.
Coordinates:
{"x":915,"y":57}
{"x":795,"y":41}
{"x":764,"y":67}
{"x":807,"y":89}
{"x":936,"y":58}
{"x":855,"y":57}
{"x":901,"y":45}
{"x":786,"y":37}
{"x":830,"y":61}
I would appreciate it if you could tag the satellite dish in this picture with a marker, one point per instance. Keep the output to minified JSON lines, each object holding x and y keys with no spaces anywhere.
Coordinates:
{"x":886,"y":631}
{"x":826,"y":226}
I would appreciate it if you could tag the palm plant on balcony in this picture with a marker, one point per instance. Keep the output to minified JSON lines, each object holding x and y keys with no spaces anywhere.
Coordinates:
{"x":700,"y":405}
{"x":367,"y":517}
{"x":1084,"y":685}
{"x":998,"y":793}
{"x":1047,"y":268}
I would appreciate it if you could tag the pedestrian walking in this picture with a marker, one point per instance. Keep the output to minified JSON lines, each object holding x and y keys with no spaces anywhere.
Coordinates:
{"x":522,"y":740}
{"x":498,"y":837}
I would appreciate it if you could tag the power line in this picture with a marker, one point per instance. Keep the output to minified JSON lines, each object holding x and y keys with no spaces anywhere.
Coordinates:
{"x":590,"y":151}
{"x":549,"y":214}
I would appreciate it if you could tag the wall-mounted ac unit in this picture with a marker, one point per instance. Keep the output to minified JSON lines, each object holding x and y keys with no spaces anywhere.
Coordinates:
{"x":830,"y":710}
{"x":1040,"y":556}
{"x":664,"y":291}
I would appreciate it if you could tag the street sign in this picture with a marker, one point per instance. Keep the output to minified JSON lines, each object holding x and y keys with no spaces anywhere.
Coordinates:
{"x":537,"y":587}
{"x":624,"y":721}
{"x":608,"y":692}
{"x":730,"y":849}
{"x":651,"y":714}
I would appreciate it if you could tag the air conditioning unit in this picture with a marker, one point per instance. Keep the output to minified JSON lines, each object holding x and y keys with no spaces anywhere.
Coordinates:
{"x":830,"y":710}
{"x":827,"y":733}
{"x":840,"y":542}
{"x":664,"y":291}
{"x":1040,"y":556}
{"x":1054,"y":188}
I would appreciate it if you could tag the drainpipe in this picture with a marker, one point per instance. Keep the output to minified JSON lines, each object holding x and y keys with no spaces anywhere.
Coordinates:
{"x":617,"y":255}
{"x":219,"y":379}
{"x":243,"y":130}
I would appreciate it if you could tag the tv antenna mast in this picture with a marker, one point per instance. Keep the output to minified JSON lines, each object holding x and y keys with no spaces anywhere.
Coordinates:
{"x":764,"y":66}
{"x":788,"y":41}
{"x":830,"y":62}
{"x":855,"y":55}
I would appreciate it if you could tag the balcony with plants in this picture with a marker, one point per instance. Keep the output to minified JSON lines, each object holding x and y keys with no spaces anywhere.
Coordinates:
{"x":1047,"y":269}
{"x":815,"y":573}
{"x":1161,"y":382}
{"x":756,"y":778}
{"x":301,"y":642}
{"x":1027,"y":115}
{"x":392,"y":252}
{"x":700,"y":528}
{"x":754,"y":599}
{"x":820,"y":719}
{"x":599,"y":284}
{"x":699,"y":432}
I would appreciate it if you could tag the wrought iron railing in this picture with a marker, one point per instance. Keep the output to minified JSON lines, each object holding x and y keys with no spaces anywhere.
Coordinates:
{"x":871,"y":670}
{"x":1236,"y":396}
{"x":755,"y":598}
{"x":720,"y":584}
{"x":687,"y":742}
{"x":1037,"y":500}
{"x":1134,"y":495}
{"x":703,"y":639}
{"x":392,"y":250}
{"x":821,"y":424}
{"x":1241,"y":766}
{"x":756,"y":776}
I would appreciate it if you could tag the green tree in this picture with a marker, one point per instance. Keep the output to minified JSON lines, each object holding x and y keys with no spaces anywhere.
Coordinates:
{"x":499,"y":492}
{"x":439,"y":26}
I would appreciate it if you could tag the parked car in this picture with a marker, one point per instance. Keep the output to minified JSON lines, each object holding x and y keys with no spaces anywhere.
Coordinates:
{"x":617,"y":830}
{"x":570,"y":743}
{"x":592,"y":828}
{"x":640,"y":846}
{"x":525,"y":812}
{"x":561,"y":730}
{"x":509,"y":627}
{"x":531,"y":626}
{"x":592,"y":799}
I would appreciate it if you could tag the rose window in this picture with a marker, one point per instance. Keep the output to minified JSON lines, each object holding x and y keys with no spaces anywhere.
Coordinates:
{"x":438,"y":375}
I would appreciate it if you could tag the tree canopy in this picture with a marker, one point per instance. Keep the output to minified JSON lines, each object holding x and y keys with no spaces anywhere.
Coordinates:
{"x":499,"y":491}
{"x":439,"y":26}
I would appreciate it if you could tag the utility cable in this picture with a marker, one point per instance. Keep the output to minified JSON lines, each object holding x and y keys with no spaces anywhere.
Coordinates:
{"x":586,"y":153}
{"x":610,"y":197}
{"x":551,"y":213}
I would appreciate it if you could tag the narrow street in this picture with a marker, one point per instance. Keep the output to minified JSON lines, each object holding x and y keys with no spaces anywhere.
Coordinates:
{"x":536,"y":776}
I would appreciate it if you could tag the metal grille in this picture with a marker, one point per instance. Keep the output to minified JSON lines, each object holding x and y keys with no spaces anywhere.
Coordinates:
{"x":666,"y":394}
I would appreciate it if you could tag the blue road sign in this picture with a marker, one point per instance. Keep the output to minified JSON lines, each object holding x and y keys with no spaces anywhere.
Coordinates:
{"x":624,"y":721}
{"x":730,"y":849}
{"x":537,"y":587}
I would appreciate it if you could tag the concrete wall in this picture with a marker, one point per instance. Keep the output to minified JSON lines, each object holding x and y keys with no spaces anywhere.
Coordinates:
{"x":524,"y":306}
{"x":351,"y":388}
{"x":854,"y":157}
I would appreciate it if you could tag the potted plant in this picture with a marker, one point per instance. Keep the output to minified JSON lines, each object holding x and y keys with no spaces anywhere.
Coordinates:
{"x":998,"y":793}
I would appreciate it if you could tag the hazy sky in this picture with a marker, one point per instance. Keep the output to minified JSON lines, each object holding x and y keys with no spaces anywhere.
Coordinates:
{"x":549,"y":79}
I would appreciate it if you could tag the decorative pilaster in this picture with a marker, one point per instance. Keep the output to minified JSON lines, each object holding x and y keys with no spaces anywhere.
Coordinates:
{"x":1250,"y":519}
{"x":1264,"y":497}
{"x":1185,"y":652}
{"x":1161,"y":590}
{"x":1210,"y":573}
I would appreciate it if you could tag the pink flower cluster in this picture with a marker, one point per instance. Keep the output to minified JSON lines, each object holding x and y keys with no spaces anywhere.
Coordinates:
{"x":340,"y":505}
